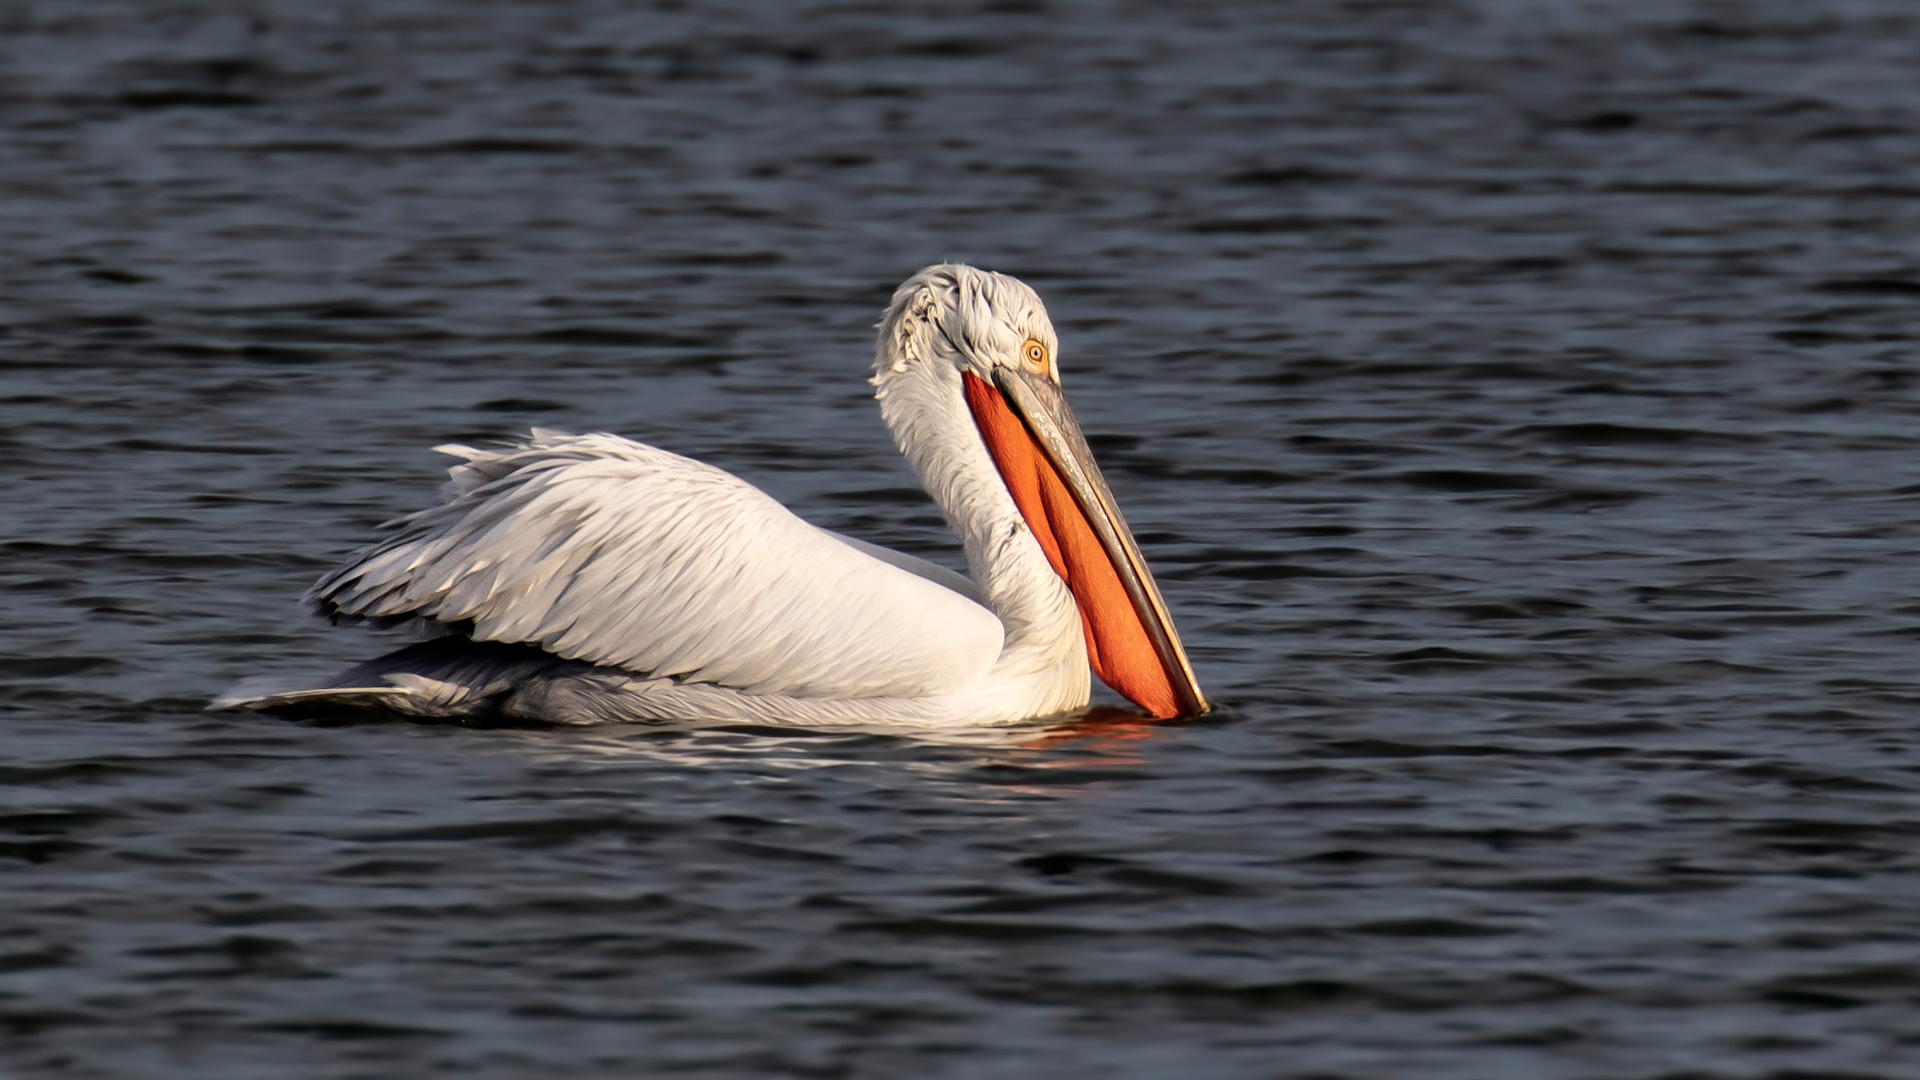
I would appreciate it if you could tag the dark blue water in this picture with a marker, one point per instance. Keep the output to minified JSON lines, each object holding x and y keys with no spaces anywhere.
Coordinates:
{"x":1517,"y":399}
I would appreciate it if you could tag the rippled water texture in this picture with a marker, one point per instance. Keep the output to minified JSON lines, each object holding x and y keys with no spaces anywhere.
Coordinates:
{"x":1517,"y":398}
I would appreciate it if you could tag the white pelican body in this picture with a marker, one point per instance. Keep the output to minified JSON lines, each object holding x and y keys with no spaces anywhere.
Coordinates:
{"x":592,"y":578}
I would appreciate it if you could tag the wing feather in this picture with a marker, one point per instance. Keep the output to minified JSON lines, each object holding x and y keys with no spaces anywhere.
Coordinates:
{"x":602,"y":549}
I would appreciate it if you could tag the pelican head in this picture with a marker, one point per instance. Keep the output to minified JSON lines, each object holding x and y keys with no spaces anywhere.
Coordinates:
{"x":967,"y":372}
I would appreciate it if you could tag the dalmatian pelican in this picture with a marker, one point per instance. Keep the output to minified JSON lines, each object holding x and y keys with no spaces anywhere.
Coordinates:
{"x":590,"y":578}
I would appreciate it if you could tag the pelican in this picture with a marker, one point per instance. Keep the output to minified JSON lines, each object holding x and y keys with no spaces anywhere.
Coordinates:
{"x":590,"y":578}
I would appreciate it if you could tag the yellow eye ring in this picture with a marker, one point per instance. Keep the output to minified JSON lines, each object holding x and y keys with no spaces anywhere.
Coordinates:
{"x":1034,"y":355}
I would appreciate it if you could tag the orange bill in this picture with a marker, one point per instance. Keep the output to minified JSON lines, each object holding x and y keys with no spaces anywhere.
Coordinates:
{"x":1037,"y":446}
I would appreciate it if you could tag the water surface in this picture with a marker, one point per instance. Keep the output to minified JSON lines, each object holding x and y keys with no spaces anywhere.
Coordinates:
{"x":1517,"y":400}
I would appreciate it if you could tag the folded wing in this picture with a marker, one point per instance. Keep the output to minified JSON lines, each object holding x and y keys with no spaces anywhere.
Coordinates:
{"x":602,"y":549}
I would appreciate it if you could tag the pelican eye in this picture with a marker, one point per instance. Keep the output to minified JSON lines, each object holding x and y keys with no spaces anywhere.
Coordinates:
{"x":1034,"y":355}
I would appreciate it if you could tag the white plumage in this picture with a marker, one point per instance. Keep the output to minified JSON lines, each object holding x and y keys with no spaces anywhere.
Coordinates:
{"x":602,"y":549}
{"x":591,"y":577}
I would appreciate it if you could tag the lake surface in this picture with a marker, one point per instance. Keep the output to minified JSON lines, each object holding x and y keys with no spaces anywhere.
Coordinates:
{"x":1518,"y":401}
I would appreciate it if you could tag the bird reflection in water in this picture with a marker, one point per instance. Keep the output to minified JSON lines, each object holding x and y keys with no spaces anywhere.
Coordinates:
{"x":1097,"y":738}
{"x":1101,"y":728}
